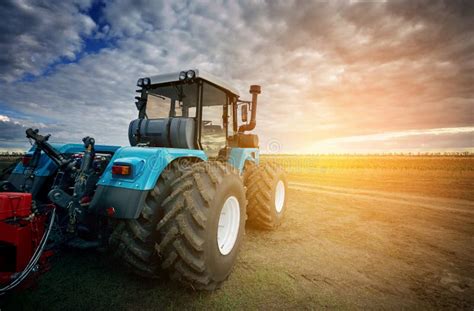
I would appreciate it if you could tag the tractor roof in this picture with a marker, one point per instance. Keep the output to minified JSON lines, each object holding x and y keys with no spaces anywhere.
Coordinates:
{"x":174,"y":77}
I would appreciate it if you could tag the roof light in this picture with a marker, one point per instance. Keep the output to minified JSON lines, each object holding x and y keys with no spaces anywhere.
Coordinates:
{"x":190,"y":74}
{"x":140,"y":82}
{"x":182,"y":75}
{"x":146,"y":81}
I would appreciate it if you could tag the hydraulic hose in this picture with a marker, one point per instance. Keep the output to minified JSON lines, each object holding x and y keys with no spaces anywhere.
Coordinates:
{"x":34,"y":259}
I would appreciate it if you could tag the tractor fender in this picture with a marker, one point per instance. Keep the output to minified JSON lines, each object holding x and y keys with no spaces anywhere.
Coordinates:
{"x":238,"y":157}
{"x":124,"y":196}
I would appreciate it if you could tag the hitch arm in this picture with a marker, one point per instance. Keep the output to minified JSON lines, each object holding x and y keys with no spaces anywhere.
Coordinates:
{"x":42,"y":144}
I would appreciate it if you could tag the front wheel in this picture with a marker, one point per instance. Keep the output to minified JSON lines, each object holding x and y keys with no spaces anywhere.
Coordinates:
{"x":203,"y":225}
{"x":266,"y":191}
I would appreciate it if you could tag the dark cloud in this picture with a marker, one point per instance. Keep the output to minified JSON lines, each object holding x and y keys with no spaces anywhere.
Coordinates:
{"x":33,"y":34}
{"x":10,"y":131}
{"x":328,"y":69}
{"x":12,"y":135}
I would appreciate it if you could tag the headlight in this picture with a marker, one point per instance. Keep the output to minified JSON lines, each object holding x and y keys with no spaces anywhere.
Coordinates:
{"x":190,"y":74}
{"x":140,"y":82}
{"x":182,"y":75}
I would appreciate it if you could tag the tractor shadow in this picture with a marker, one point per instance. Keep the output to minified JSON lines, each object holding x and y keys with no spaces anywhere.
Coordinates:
{"x":81,"y":279}
{"x":89,"y":279}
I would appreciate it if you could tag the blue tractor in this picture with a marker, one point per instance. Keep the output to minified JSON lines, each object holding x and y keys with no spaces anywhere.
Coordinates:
{"x":175,"y":201}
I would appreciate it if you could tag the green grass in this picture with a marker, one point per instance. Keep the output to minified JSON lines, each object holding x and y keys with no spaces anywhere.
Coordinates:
{"x":271,"y":271}
{"x":91,"y":280}
{"x":5,"y":163}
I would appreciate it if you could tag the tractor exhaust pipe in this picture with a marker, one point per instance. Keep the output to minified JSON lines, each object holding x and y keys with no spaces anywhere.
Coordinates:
{"x":254,"y":90}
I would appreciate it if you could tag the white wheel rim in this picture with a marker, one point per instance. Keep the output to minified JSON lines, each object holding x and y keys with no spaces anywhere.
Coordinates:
{"x":229,"y":222}
{"x":279,"y":196}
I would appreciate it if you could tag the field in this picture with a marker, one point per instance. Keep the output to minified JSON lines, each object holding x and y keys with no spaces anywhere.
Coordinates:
{"x":6,"y":161}
{"x":360,"y":232}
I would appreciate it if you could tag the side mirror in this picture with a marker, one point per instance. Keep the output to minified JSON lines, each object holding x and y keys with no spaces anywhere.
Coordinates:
{"x":245,"y":113}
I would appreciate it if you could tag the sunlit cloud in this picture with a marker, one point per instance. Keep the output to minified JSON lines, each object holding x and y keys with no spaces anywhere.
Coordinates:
{"x":4,"y":118}
{"x":391,"y":135}
{"x":347,"y":74}
{"x":402,"y":141}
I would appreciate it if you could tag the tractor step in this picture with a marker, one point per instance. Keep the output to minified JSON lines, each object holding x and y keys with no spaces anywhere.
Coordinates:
{"x":83,"y":244}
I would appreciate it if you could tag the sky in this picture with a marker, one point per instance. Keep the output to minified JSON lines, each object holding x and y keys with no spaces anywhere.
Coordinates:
{"x":336,"y":76}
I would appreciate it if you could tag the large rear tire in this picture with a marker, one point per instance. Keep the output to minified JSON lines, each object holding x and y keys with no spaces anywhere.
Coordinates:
{"x":203,"y":225}
{"x":133,"y":240}
{"x":266,"y":193}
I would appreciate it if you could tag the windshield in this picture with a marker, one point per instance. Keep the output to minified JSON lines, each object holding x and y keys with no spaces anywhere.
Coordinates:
{"x":213,"y":131}
{"x":180,"y":100}
{"x":172,"y":101}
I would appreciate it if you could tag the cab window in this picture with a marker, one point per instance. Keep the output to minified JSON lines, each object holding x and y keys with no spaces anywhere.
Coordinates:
{"x":172,"y":101}
{"x":213,"y":132}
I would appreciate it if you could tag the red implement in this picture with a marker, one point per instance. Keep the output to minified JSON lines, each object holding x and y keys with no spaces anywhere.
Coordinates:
{"x":14,"y":204}
{"x":20,"y":233}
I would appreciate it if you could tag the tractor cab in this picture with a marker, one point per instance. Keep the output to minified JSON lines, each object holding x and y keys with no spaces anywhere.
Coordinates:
{"x":192,"y":110}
